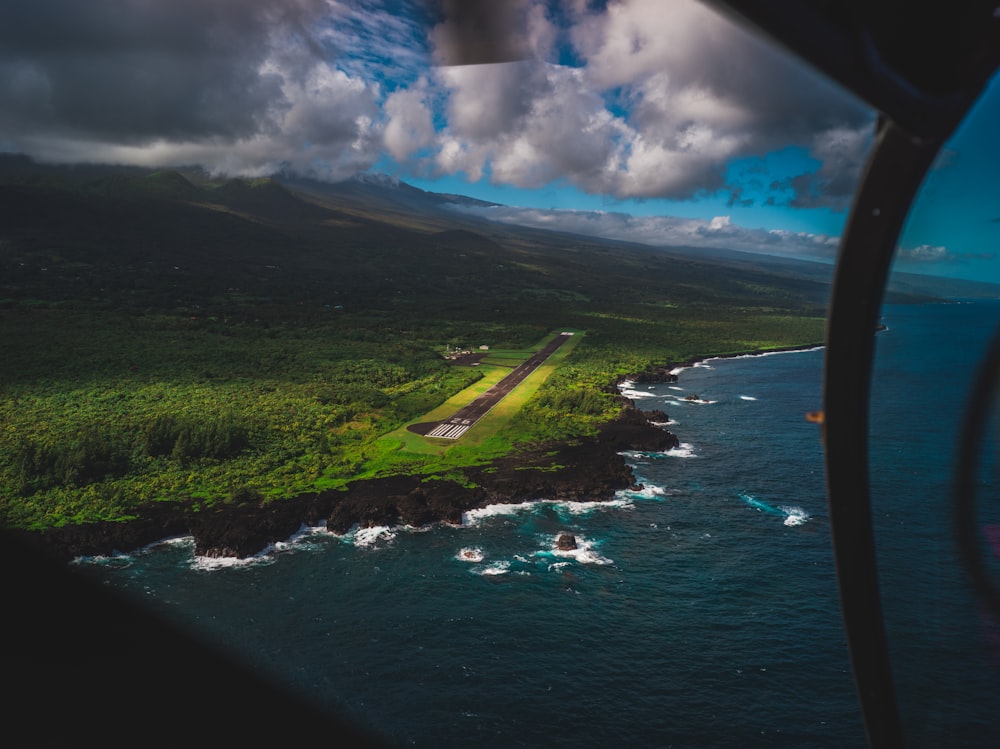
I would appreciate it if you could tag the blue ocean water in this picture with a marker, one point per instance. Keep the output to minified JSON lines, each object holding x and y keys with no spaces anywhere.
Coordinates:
{"x":700,"y":612}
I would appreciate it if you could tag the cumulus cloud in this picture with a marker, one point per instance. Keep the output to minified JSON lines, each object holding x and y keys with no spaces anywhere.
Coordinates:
{"x":410,"y":125}
{"x":528,"y":123}
{"x":665,"y":96}
{"x":631,"y":99}
{"x":927,"y":254}
{"x":923,"y":253}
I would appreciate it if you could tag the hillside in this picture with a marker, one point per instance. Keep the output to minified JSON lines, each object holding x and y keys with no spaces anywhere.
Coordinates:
{"x":178,"y":338}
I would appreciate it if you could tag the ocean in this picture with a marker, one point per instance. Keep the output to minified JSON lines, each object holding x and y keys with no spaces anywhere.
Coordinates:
{"x":701,"y":611}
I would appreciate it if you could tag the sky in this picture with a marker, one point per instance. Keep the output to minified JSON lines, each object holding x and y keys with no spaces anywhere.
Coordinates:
{"x":646,"y":120}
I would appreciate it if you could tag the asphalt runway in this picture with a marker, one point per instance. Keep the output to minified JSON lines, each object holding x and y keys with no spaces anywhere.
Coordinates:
{"x":466,"y":417}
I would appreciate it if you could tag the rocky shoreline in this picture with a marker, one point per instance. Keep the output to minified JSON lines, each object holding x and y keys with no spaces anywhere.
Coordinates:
{"x":588,"y":469}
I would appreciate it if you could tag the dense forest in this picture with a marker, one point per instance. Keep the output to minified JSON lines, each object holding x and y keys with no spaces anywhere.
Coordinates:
{"x":172,"y":337}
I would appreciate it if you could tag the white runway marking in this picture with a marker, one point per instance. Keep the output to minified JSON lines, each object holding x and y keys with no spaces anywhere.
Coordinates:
{"x":449,"y":431}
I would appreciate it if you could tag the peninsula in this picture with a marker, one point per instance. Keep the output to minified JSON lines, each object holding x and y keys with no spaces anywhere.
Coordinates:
{"x":233,"y":358}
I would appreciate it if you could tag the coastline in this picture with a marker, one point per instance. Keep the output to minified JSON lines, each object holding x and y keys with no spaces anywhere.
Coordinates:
{"x":582,"y":470}
{"x":670,"y":372}
{"x":589,"y":469}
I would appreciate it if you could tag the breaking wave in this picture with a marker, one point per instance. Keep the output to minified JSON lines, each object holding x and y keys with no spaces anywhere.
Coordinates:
{"x":568,"y":507}
{"x":371,"y":537}
{"x":683,"y":450}
{"x":470,"y":554}
{"x":584,"y":553}
{"x":792,"y":515}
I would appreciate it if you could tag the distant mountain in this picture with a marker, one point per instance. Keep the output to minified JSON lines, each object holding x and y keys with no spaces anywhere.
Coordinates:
{"x":367,"y":193}
{"x":113,"y":207}
{"x":938,"y":286}
{"x":183,"y":240}
{"x":260,"y":197}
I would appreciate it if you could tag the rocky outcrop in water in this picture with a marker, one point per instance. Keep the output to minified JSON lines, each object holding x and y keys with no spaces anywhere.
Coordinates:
{"x":633,"y":430}
{"x":566,"y":542}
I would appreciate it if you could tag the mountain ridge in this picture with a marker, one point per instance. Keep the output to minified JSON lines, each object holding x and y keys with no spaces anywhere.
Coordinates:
{"x":375,"y":202}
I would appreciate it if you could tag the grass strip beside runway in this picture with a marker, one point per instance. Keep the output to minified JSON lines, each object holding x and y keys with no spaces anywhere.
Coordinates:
{"x":487,"y":428}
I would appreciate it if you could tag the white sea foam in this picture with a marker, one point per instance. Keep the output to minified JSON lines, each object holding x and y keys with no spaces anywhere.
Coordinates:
{"x":674,"y":387}
{"x":479,"y":514}
{"x":794,"y":515}
{"x":668,"y":423}
{"x":122,"y":559}
{"x":628,"y":393}
{"x":584,"y":553}
{"x":173,"y":541}
{"x":201,"y":563}
{"x":747,"y":398}
{"x":704,"y":364}
{"x":583,"y":508}
{"x":648,"y":491}
{"x":584,"y":556}
{"x":497,"y":568}
{"x":641,"y":457}
{"x":470,"y":554}
{"x":117,"y":560}
{"x":683,"y":450}
{"x":304,"y":538}
{"x":767,"y":353}
{"x":373,"y":536}
{"x":688,"y":401}
{"x":208,"y":564}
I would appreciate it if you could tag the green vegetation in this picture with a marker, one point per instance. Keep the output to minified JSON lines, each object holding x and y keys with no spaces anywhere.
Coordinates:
{"x":167,"y":338}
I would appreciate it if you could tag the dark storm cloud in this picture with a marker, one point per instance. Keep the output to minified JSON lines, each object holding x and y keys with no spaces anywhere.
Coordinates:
{"x":133,"y":70}
{"x":232,"y":84}
{"x":703,"y":90}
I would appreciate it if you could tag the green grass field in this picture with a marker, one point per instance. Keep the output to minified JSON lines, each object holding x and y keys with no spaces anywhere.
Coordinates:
{"x":485,"y":437}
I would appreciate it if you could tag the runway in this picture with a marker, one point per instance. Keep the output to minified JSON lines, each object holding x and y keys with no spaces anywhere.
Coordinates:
{"x":465,"y":418}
